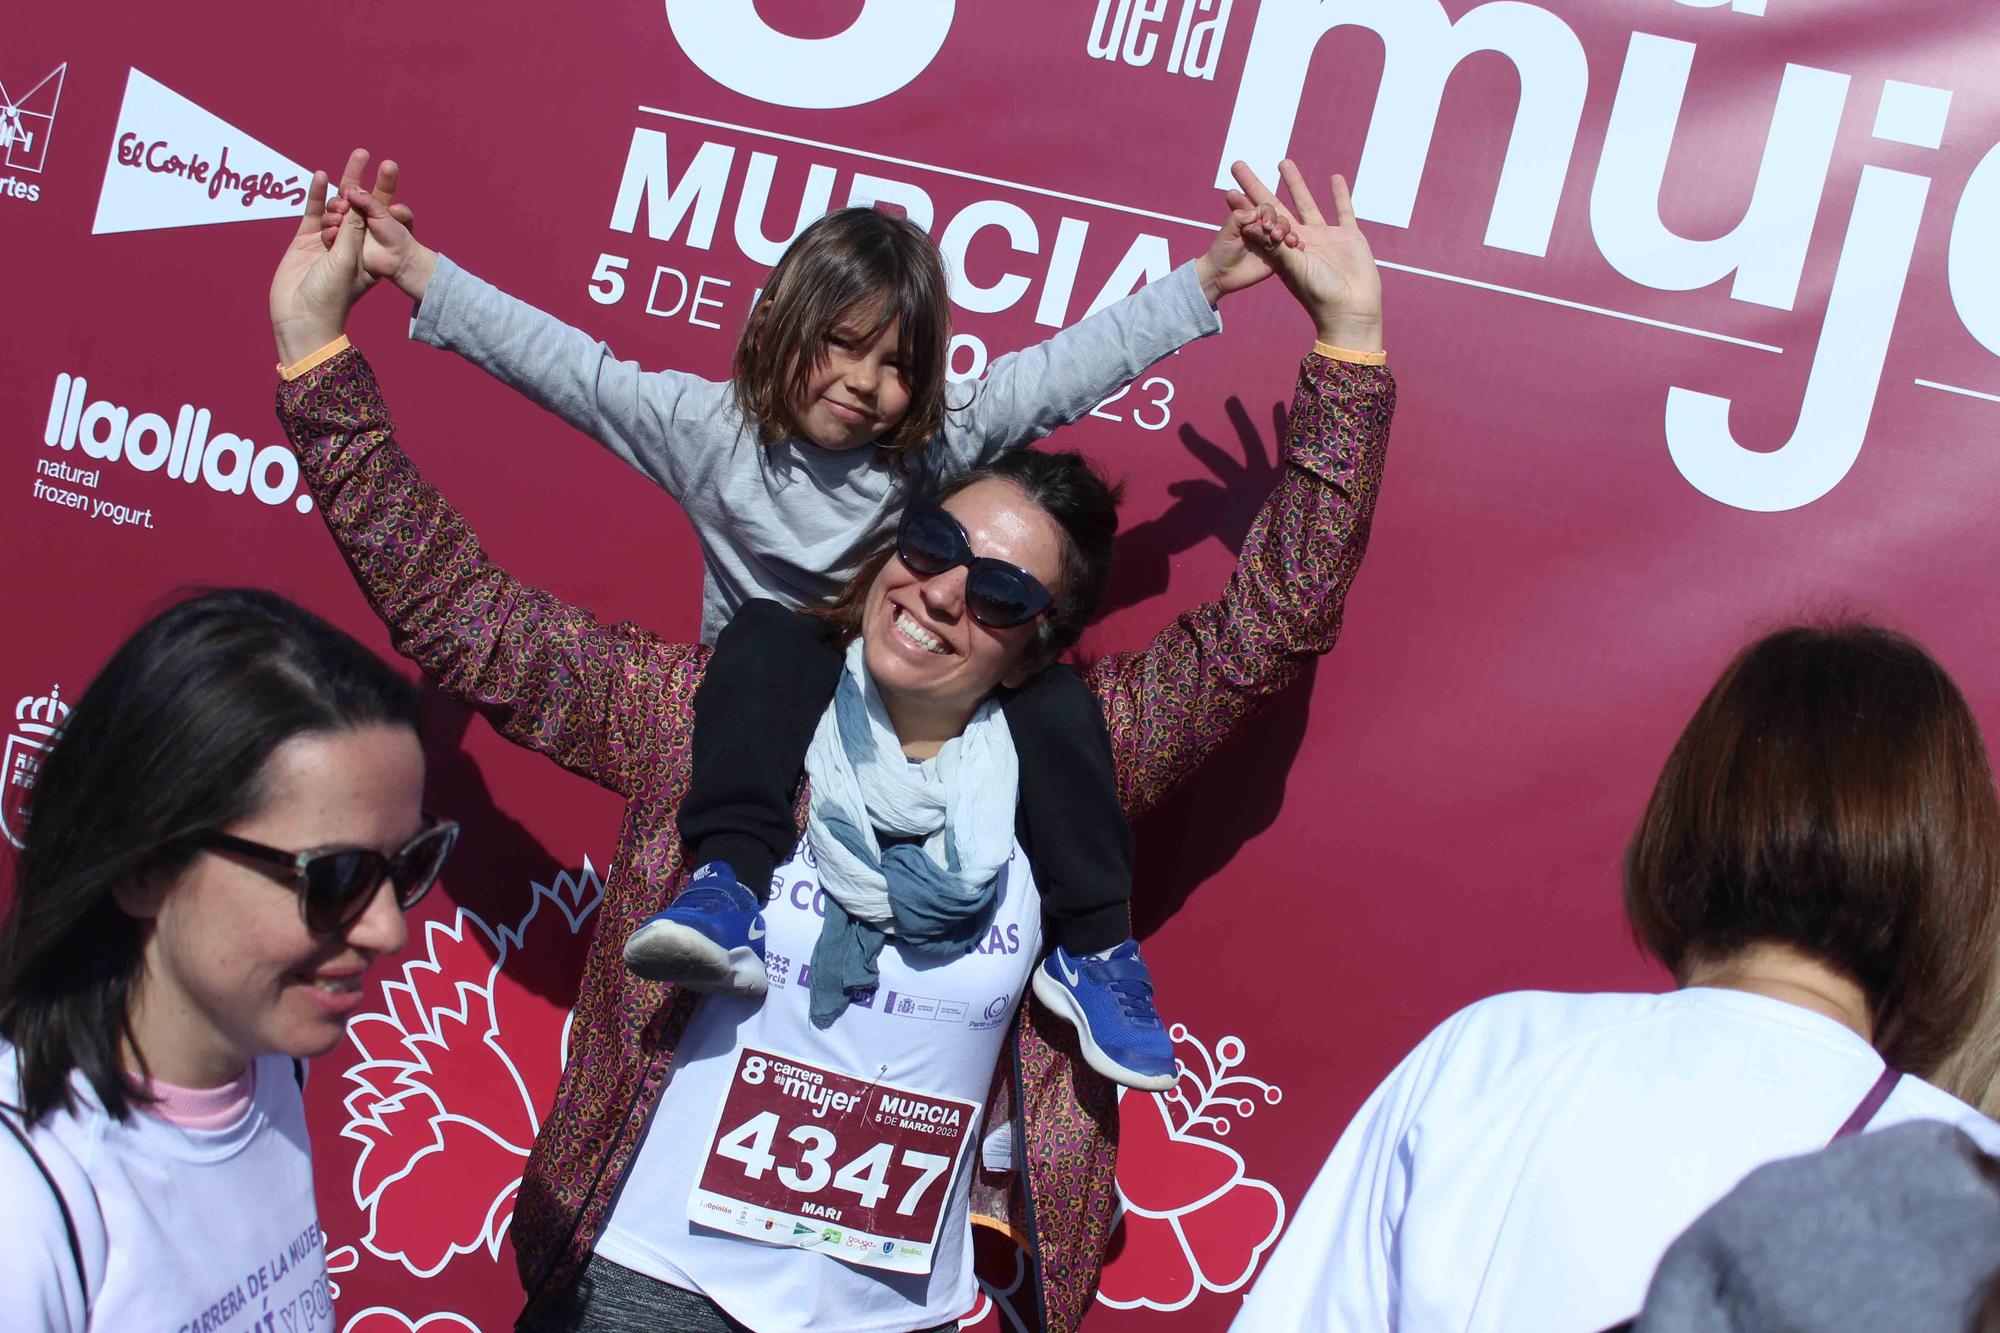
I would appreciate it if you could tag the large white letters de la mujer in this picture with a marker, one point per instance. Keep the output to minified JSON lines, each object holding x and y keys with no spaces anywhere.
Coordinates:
{"x":1765,"y":252}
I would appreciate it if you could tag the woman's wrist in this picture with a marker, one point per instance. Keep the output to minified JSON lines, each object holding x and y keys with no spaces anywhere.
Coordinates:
{"x":299,"y":340}
{"x":1355,"y":333}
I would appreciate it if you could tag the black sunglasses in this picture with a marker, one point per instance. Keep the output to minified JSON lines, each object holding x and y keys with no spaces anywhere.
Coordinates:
{"x":335,"y":887}
{"x":999,"y":595}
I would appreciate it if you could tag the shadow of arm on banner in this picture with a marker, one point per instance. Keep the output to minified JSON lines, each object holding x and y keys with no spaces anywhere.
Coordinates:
{"x":1194,"y":833}
{"x":1221,"y":505}
{"x":497,"y":861}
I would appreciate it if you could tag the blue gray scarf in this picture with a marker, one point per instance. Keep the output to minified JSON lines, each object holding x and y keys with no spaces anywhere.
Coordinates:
{"x":949,"y":822}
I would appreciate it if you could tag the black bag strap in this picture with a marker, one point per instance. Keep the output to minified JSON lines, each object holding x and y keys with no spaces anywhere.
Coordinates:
{"x":1878,"y":1093}
{"x":69,"y":1220}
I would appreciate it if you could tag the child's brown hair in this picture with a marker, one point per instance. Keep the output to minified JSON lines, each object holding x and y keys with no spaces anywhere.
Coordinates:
{"x":855,"y":262}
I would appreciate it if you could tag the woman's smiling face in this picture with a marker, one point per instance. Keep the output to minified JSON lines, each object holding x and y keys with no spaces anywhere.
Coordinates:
{"x":933,"y":663}
{"x":231,"y":971}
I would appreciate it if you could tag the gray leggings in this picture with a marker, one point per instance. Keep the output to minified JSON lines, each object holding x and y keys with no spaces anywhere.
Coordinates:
{"x":608,"y":1299}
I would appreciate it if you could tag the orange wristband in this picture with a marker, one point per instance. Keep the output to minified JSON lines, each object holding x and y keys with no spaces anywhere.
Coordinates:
{"x":1332,"y":353}
{"x":326,"y":353}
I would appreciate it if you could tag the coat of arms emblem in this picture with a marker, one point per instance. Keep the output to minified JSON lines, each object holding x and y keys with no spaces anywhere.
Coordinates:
{"x":35,"y":722}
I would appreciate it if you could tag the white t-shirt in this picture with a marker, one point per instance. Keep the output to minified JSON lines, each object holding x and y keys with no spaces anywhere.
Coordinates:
{"x":1528,"y":1163}
{"x":932,"y":1027}
{"x":186,"y":1231}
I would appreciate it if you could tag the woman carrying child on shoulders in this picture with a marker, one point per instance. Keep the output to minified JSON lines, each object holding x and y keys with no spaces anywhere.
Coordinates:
{"x":793,"y":471}
{"x":814,"y":1158}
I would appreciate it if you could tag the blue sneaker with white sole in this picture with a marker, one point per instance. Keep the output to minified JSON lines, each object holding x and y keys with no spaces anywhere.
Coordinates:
{"x":1108,"y":998}
{"x":711,"y":939}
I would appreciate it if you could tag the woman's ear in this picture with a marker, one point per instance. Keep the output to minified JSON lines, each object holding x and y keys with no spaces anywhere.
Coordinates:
{"x":140,"y":895}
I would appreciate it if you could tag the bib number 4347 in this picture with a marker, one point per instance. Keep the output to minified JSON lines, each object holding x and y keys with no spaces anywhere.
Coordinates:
{"x":815,"y":1158}
{"x":866,"y":1177}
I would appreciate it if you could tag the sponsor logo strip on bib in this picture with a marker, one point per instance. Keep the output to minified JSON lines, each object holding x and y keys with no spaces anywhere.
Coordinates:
{"x":821,"y":1160}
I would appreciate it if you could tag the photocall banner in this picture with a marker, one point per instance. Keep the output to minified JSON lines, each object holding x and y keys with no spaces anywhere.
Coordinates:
{"x":1694,"y":306}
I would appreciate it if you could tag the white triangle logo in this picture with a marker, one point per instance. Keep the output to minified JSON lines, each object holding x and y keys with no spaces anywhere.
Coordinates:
{"x":174,"y":164}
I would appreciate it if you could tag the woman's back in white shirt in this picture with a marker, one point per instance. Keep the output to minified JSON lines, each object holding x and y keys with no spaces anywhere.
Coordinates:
{"x":1528,"y":1163}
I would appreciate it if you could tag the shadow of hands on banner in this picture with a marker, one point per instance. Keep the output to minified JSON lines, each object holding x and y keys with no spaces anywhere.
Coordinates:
{"x":1221,"y":505}
{"x":1189,"y":837}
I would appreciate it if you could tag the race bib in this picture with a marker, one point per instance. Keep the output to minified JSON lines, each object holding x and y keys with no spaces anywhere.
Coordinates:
{"x":824,"y":1161}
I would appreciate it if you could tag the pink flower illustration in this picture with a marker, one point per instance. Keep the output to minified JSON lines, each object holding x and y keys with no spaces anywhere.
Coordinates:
{"x":450,"y":1074}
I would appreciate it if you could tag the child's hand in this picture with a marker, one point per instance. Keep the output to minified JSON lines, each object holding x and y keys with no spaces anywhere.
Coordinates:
{"x":1331,"y":270}
{"x":390,"y":249}
{"x":1232,"y":262}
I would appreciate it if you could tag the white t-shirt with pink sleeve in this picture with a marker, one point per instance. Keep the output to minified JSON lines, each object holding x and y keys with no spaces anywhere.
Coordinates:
{"x":178,"y":1229}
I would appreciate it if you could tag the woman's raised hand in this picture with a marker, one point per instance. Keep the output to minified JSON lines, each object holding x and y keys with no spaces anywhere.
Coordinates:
{"x":1330,"y":269}
{"x":390,"y":248}
{"x":315,"y":286}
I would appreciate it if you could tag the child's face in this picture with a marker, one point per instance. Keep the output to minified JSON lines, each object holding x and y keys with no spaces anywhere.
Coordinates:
{"x":855,"y":394}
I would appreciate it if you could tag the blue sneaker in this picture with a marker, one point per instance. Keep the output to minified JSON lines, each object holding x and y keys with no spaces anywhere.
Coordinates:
{"x":711,"y":939}
{"x":1108,"y":998}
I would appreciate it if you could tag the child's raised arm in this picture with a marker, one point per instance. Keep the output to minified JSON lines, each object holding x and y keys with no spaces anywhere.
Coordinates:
{"x":637,"y":414}
{"x":1031,"y":392}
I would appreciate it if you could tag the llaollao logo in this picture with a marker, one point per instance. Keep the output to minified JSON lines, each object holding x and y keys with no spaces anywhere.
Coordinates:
{"x":92,"y":432}
{"x":889,"y":43}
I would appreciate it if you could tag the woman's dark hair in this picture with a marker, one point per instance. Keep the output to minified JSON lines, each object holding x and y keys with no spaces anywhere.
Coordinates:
{"x":1832,"y":793}
{"x":1085,"y":508}
{"x":170,"y":738}
{"x":861,"y":264}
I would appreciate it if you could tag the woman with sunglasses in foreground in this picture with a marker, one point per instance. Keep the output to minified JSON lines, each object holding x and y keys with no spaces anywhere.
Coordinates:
{"x":814,"y":1160}
{"x":224,"y":836}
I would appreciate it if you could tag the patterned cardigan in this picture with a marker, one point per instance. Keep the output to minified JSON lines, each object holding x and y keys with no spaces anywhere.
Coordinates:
{"x":614,"y":703}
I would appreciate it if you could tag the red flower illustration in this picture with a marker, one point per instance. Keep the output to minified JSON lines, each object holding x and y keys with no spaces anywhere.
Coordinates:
{"x":1192,"y":1219}
{"x":382,"y":1319}
{"x":451,"y":1072}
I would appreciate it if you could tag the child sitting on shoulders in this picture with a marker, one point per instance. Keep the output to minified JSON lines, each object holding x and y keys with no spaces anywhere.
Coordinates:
{"x":793,"y":471}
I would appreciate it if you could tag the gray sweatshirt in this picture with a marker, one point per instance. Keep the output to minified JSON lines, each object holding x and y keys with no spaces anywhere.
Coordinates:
{"x":793,"y":522}
{"x":1897,"y":1231}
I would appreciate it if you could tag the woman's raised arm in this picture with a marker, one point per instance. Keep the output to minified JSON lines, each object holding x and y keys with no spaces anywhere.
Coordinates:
{"x":598,"y":699}
{"x":1170,"y":703}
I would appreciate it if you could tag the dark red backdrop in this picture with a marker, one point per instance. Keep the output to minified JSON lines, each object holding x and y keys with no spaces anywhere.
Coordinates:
{"x":1551,"y":585}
